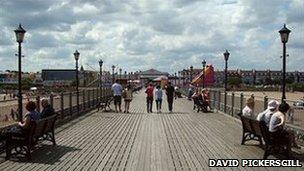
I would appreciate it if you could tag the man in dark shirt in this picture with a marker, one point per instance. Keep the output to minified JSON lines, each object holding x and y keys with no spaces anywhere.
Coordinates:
{"x":170,"y":95}
{"x":47,"y":109}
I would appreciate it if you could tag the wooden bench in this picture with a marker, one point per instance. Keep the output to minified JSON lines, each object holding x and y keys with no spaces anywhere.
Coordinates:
{"x":24,"y":143}
{"x":106,"y":103}
{"x":258,"y":130}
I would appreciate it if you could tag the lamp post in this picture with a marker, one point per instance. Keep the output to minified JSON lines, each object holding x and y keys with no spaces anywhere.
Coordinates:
{"x":120,"y":71}
{"x":179,"y":74}
{"x":113,"y":76}
{"x":191,"y":72}
{"x":204,"y":65}
{"x":100,"y":74}
{"x":76,"y":55}
{"x":175,"y":78}
{"x":284,"y":33}
{"x":20,"y":32}
{"x":226,"y":57}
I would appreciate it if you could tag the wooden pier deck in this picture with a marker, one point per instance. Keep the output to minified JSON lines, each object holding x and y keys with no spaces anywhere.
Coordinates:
{"x":182,"y":140}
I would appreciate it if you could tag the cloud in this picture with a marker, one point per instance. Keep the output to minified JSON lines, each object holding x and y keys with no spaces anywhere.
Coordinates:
{"x":139,"y":35}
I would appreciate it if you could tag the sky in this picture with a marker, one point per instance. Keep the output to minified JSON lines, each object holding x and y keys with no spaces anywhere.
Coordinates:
{"x":168,"y":35}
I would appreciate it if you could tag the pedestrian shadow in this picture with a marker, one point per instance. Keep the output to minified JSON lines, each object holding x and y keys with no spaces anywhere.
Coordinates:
{"x":44,"y":154}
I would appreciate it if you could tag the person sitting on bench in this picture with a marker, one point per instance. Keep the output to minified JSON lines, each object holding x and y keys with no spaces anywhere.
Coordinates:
{"x":206,"y":101}
{"x":265,"y":116}
{"x":277,"y":129}
{"x":195,"y":98}
{"x":47,"y":109}
{"x":200,"y":102}
{"x":248,"y":109}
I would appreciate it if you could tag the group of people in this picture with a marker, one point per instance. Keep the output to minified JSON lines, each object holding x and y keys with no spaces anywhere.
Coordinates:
{"x":201,"y":100}
{"x":275,"y":118}
{"x":158,"y":95}
{"x":119,"y":93}
{"x":32,"y":115}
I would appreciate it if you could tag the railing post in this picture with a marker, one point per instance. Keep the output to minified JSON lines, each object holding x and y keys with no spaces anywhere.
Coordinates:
{"x":83,"y":100}
{"x":219,"y":100}
{"x":71,"y":110}
{"x":232,"y":103}
{"x":265,"y":102}
{"x":62,"y":104}
{"x":52,"y":100}
{"x":214,"y":102}
{"x":38,"y":103}
{"x":252,"y":95}
{"x":93,"y":97}
{"x":241,"y":102}
{"x":89,"y":100}
{"x":225,"y":102}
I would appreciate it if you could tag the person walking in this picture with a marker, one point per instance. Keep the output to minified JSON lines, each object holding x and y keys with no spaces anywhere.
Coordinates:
{"x":170,"y":96}
{"x":149,"y":92}
{"x":128,"y":96}
{"x":117,"y":91}
{"x":158,"y":98}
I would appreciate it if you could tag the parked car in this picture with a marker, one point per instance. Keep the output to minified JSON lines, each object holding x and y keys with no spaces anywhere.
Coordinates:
{"x":299,"y":104}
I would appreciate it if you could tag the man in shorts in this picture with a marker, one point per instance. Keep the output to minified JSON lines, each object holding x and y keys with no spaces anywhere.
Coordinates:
{"x":117,"y":91}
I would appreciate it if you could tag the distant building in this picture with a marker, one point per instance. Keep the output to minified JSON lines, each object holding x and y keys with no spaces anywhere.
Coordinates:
{"x":58,"y":76}
{"x":150,"y":74}
{"x":251,"y":77}
{"x":259,"y":76}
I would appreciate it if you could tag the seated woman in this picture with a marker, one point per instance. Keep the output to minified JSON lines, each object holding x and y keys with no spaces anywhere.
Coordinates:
{"x":277,"y":123}
{"x":248,"y":109}
{"x":31,"y":115}
{"x":206,"y":101}
{"x":195,"y":97}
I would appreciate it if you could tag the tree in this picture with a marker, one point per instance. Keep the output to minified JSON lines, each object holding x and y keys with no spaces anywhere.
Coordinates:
{"x":235,"y":81}
{"x":26,"y":83}
{"x":290,"y":79}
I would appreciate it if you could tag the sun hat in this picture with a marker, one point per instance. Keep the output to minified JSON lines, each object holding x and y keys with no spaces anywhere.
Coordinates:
{"x":272,"y":104}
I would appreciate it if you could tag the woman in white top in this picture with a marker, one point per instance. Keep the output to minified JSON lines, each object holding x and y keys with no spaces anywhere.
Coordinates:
{"x":248,"y":109}
{"x":158,"y":98}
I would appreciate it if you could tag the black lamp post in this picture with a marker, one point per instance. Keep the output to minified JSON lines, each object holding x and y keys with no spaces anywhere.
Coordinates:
{"x":191,"y":73}
{"x":179,"y":74}
{"x":20,"y":32}
{"x":113,"y":76}
{"x":125,"y":74}
{"x":76,"y":55}
{"x":284,"y":33}
{"x":175,"y":78}
{"x":100,"y":74}
{"x":226,"y":57}
{"x":204,"y":65}
{"x":120,"y":71}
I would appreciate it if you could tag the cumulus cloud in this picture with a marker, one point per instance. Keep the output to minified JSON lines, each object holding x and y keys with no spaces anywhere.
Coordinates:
{"x":139,"y":35}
